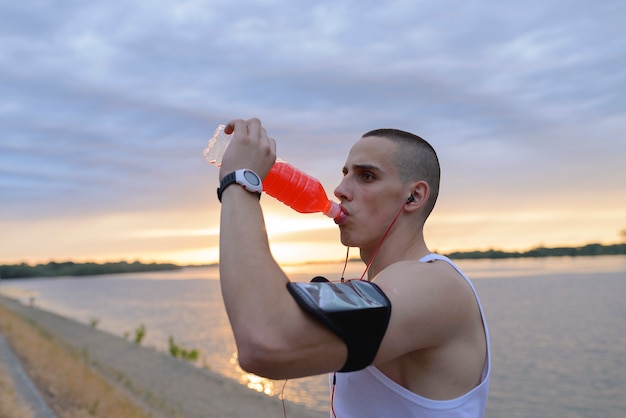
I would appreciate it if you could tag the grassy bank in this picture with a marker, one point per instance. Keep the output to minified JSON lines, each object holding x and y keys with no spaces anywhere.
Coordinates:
{"x":71,"y":388}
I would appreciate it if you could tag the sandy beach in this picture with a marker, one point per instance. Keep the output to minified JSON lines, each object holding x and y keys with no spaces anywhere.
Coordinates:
{"x":167,"y":386}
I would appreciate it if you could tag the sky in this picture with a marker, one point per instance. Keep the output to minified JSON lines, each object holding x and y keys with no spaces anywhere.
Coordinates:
{"x":106,"y":107}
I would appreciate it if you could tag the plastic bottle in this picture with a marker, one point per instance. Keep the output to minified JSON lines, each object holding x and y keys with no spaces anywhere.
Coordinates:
{"x":286,"y":183}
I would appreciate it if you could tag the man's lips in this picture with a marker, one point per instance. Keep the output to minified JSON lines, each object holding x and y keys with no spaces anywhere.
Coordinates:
{"x":342,"y":217}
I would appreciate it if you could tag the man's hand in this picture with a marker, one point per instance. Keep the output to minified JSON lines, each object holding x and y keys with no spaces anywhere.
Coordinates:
{"x":250,"y":147}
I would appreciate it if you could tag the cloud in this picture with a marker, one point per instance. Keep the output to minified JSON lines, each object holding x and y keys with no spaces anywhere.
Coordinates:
{"x":106,"y":106}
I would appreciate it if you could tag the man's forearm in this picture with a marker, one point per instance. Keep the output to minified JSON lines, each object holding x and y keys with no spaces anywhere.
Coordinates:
{"x":252,"y":282}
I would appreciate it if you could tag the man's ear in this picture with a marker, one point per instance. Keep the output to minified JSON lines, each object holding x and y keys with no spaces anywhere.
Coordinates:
{"x":419,"y":196}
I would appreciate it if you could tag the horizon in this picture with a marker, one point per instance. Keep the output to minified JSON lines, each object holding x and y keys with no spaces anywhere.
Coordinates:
{"x":351,"y":259}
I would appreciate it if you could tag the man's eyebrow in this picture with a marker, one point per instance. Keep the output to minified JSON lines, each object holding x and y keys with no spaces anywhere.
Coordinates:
{"x":361,"y":167}
{"x":366,"y":167}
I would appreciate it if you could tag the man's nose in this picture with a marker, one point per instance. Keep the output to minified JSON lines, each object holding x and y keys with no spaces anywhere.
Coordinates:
{"x":340,"y":191}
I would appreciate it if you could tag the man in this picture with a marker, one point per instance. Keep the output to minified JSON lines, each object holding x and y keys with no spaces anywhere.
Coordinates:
{"x":432,"y":357}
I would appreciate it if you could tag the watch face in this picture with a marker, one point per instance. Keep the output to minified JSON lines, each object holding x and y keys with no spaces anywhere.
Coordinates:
{"x":251,"y":177}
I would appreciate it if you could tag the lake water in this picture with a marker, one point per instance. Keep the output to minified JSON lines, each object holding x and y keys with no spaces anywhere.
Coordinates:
{"x":558,"y":327}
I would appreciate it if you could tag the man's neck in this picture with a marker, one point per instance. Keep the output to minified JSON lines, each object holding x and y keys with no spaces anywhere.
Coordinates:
{"x":393,"y":251}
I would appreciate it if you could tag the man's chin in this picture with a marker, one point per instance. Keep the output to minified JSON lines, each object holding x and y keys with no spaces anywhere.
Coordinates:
{"x":346,"y":240}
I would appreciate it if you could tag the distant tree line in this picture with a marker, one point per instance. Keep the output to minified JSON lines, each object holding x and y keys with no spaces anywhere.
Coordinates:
{"x":68,"y":268}
{"x":587,"y":250}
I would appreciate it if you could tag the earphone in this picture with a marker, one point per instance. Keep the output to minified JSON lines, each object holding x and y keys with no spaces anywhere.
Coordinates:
{"x":410,"y":199}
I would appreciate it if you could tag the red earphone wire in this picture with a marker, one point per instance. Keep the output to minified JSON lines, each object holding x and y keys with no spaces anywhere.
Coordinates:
{"x":382,"y":240}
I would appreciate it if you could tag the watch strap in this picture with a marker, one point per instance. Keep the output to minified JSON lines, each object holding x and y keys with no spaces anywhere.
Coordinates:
{"x":227,"y":180}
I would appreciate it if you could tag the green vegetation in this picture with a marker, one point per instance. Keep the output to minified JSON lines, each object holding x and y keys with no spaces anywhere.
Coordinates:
{"x":587,"y":250}
{"x":68,"y":268}
{"x":175,"y":349}
{"x":181,"y":352}
{"x":140,"y":333}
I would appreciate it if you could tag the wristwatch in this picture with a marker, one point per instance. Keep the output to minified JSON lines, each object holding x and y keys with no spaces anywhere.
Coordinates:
{"x":248,"y":179}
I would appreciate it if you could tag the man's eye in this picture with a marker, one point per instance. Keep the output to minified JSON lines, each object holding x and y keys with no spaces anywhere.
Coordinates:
{"x":367,"y":176}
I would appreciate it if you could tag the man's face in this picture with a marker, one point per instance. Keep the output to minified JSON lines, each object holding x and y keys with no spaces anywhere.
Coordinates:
{"x":370,"y":192}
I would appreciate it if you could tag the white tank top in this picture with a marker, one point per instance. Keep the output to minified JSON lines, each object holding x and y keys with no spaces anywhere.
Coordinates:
{"x":368,"y":393}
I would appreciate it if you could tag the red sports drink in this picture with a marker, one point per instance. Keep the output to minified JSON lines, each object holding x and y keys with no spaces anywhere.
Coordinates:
{"x":284,"y":182}
{"x":298,"y":190}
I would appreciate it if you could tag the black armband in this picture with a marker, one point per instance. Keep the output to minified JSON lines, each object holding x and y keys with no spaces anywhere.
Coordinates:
{"x":357,"y":311}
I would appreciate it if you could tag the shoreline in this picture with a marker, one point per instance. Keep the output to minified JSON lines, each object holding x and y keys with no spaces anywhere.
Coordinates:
{"x":168,"y":386}
{"x":77,"y":269}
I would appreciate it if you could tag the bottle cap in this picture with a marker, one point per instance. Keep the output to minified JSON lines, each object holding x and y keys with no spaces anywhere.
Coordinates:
{"x":334,"y":210}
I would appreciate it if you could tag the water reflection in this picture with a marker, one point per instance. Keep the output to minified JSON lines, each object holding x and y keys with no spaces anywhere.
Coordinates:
{"x":252,"y":381}
{"x":301,"y":391}
{"x":259,"y":384}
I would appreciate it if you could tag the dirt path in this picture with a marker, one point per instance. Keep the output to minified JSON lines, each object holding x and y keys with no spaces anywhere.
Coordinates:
{"x":25,"y":390}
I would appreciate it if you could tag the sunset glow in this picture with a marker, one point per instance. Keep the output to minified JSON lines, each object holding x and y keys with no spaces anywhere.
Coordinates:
{"x":297,"y":237}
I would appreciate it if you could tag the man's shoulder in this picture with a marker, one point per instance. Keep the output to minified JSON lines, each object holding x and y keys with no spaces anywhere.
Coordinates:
{"x":435,"y":284}
{"x":412,"y":272}
{"x":432,"y":307}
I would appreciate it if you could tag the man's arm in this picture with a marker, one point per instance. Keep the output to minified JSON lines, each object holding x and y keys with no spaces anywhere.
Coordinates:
{"x":274,"y":337}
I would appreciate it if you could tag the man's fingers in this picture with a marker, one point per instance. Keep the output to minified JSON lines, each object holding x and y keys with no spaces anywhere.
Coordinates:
{"x":255,"y":130}
{"x":233,"y":125}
